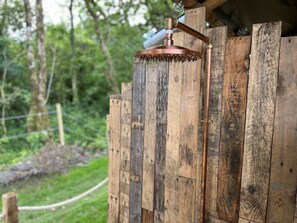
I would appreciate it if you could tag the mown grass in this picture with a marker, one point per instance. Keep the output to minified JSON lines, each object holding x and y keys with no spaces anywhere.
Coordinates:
{"x":48,"y":190}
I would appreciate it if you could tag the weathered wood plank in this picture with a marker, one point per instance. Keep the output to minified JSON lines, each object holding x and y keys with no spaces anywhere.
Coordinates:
{"x":232,"y":127}
{"x":125,"y":151}
{"x":114,"y":158}
{"x":160,"y":137}
{"x":218,"y":37}
{"x":241,"y":220}
{"x":283,"y":180}
{"x":259,"y":120}
{"x":211,"y":219}
{"x":186,"y":189}
{"x":149,"y":137}
{"x":137,"y":142}
{"x":173,"y":137}
{"x":190,"y":93}
{"x":10,"y":208}
{"x":147,"y":216}
{"x":295,"y":216}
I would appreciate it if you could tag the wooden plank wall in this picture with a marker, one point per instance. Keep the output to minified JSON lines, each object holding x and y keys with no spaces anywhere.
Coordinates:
{"x":232,"y":127}
{"x":155,"y":143}
{"x":283,"y":180}
{"x":149,"y":142}
{"x":218,"y":37}
{"x":259,"y":121}
{"x":137,"y":142}
{"x":114,"y":155}
{"x":125,"y":151}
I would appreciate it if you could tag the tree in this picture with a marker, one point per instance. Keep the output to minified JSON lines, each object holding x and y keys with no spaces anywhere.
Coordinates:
{"x":73,"y":69}
{"x":38,"y":76}
{"x":98,"y":15}
{"x":6,"y":99}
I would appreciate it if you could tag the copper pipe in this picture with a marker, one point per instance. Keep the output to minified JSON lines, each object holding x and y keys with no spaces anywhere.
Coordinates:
{"x":205,"y":131}
{"x":191,"y":31}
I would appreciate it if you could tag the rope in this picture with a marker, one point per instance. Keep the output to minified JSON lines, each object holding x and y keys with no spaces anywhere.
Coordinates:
{"x":25,"y":116}
{"x":53,"y":207}
{"x":30,"y":133}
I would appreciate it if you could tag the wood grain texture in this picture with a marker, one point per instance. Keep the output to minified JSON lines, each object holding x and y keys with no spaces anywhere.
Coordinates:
{"x":295,"y":215}
{"x":173,"y":137}
{"x":190,"y":93}
{"x":147,"y":216}
{"x":259,"y":121}
{"x":283,"y":180}
{"x":241,"y":220}
{"x":218,"y":37}
{"x":160,"y":137}
{"x":137,"y":142}
{"x":186,"y":210}
{"x":114,"y":156}
{"x":232,"y":127}
{"x":10,"y":208}
{"x":210,"y":219}
{"x":149,"y":137}
{"x":125,"y":151}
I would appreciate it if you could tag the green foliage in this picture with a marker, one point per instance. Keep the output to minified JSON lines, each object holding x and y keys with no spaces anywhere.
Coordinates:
{"x":83,"y":127}
{"x":48,"y":190}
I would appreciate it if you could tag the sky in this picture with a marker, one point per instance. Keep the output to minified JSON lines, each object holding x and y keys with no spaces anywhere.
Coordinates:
{"x":55,"y":11}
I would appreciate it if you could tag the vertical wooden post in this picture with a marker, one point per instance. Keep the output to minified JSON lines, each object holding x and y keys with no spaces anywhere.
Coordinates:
{"x":259,"y":121}
{"x":283,"y":177}
{"x":137,"y":142}
{"x":114,"y":157}
{"x":10,"y":208}
{"x":125,"y":151}
{"x":218,"y":36}
{"x":60,"y":124}
{"x":232,"y":127}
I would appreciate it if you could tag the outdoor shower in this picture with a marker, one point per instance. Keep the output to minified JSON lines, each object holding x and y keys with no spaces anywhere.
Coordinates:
{"x":170,"y":53}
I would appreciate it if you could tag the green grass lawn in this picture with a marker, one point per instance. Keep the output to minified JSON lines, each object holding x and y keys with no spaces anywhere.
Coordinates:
{"x":58,"y":188}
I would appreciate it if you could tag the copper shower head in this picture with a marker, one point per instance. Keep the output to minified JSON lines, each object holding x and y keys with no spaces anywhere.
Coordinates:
{"x":168,"y":52}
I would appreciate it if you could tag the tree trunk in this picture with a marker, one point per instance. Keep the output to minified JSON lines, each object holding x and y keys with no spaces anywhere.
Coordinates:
{"x":4,"y":18}
{"x":73,"y":70}
{"x":3,"y":96}
{"x":111,"y":72}
{"x":38,"y":79}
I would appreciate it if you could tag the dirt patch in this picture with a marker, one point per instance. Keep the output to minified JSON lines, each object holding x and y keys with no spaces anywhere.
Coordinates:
{"x":50,"y":159}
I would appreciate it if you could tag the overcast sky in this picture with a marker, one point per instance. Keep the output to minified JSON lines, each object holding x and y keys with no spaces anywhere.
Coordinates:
{"x":55,"y":11}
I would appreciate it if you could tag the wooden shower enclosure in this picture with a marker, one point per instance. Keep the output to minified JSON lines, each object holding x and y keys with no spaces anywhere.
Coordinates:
{"x":155,"y":133}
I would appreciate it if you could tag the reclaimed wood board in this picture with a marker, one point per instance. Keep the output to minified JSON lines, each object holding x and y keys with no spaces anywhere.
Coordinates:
{"x":295,"y":215}
{"x":173,"y":137}
{"x":190,"y":93}
{"x":114,"y":156}
{"x":149,"y":137}
{"x":232,"y":127}
{"x":186,"y":189}
{"x":241,"y":220}
{"x":137,"y":142}
{"x":218,"y":37}
{"x":147,"y":216}
{"x":211,"y":219}
{"x":125,"y":151}
{"x":160,"y":137}
{"x":259,"y":121}
{"x":283,"y":180}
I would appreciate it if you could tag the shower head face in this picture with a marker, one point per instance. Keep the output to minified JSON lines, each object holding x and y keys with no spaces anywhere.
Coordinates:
{"x":168,"y":53}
